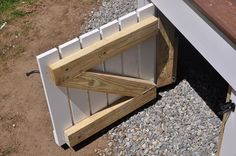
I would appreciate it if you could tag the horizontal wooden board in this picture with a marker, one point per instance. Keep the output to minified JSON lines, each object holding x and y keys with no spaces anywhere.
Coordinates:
{"x":93,"y":124}
{"x":77,"y":63}
{"x":100,"y":82}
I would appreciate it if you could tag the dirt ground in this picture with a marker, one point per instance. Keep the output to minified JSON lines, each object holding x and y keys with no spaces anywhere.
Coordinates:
{"x":25,"y":126}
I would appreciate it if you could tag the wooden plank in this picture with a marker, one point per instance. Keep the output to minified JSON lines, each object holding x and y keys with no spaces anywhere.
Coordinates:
{"x":100,"y":82}
{"x":102,"y":119}
{"x":146,"y":2}
{"x":166,"y":53}
{"x":114,"y":64}
{"x":223,"y":123}
{"x":97,"y":100}
{"x":130,"y":57}
{"x":56,"y":97}
{"x":229,"y":137}
{"x":74,"y":64}
{"x":222,"y":13}
{"x":78,"y":98}
{"x":141,"y":3}
{"x":147,"y":49}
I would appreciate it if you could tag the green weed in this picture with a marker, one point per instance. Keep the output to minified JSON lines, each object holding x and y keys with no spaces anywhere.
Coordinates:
{"x":18,"y":13}
{"x":8,"y":8}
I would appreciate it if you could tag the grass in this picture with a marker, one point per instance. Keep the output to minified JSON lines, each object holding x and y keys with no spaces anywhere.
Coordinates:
{"x":6,"y":5}
{"x":8,"y":9}
{"x":18,"y":13}
{"x":9,"y":150}
{"x":1,"y":22}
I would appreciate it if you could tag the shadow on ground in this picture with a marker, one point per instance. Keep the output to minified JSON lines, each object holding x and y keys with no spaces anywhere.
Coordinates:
{"x":203,"y":78}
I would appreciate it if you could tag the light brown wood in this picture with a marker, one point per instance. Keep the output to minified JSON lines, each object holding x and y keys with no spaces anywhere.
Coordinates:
{"x":69,"y":67}
{"x":93,"y":124}
{"x":223,"y":123}
{"x":107,"y":83}
{"x":167,"y":51}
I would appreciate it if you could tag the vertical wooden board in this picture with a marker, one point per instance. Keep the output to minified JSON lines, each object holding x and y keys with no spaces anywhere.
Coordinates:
{"x":167,"y":57}
{"x":146,"y":2}
{"x":146,"y":11}
{"x":147,"y":50}
{"x":130,"y":56}
{"x":114,"y":64}
{"x":56,"y":97}
{"x":78,"y":98}
{"x":97,"y":100}
{"x":229,"y":137}
{"x":69,"y":47}
{"x":141,"y":3}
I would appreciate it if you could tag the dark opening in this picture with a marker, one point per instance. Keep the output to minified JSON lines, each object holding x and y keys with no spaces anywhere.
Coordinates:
{"x":204,"y":79}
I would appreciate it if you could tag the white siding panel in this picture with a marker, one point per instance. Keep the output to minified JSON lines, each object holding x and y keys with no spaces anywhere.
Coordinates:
{"x":78,"y":98}
{"x":97,"y":100}
{"x":114,"y":64}
{"x":130,"y":57}
{"x":147,"y":50}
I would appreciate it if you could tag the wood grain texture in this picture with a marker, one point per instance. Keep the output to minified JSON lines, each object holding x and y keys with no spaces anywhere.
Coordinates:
{"x":222,"y":13}
{"x":223,"y":123}
{"x":100,"y":82}
{"x":229,"y":136}
{"x":102,"y":119}
{"x":166,"y":53}
{"x":77,"y":63}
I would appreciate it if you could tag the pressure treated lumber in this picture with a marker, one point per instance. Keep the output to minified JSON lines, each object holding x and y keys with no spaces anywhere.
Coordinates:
{"x":91,"y":125}
{"x":107,"y":83}
{"x":167,"y":51}
{"x":69,"y":67}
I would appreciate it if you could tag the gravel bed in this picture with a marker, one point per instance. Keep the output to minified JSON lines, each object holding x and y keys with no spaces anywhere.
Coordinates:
{"x":179,"y":123}
{"x":109,"y":11}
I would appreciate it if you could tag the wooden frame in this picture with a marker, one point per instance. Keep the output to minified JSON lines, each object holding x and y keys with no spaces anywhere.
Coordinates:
{"x":167,"y":53}
{"x":105,"y":74}
{"x":72,"y":72}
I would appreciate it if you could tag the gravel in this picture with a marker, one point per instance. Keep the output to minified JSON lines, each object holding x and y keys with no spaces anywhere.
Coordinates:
{"x":180,"y":122}
{"x":109,"y":11}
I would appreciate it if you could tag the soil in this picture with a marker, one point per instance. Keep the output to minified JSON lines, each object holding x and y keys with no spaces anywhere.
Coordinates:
{"x":24,"y":119}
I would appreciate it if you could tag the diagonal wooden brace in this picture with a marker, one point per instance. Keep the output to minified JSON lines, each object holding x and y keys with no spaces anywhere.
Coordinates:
{"x":107,"y":83}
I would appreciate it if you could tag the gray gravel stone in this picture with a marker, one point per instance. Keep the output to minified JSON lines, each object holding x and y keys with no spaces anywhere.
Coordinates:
{"x":109,"y":11}
{"x":170,"y":130}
